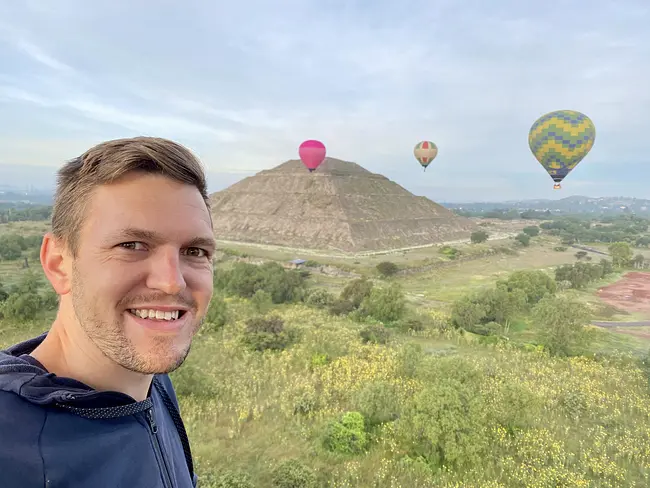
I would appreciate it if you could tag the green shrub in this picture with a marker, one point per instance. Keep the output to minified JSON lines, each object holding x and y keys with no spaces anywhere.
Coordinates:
{"x":532,"y":231}
{"x":385,"y":304}
{"x":217,"y":314}
{"x":231,"y":479}
{"x":262,"y":301}
{"x":376,"y":334}
{"x":293,"y":474}
{"x":320,"y":298}
{"x":356,"y":291}
{"x":387,"y":268}
{"x":341,"y":307}
{"x":268,"y":333}
{"x":347,"y":435}
{"x":523,"y":239}
{"x":479,"y":236}
{"x":378,"y":402}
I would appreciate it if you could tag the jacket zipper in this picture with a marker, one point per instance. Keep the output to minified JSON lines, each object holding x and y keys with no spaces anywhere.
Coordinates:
{"x":159,"y":454}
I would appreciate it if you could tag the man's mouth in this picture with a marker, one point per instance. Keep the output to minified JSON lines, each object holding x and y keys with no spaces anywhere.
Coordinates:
{"x":149,"y":313}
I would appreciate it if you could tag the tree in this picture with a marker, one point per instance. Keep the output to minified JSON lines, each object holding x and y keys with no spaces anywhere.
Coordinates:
{"x":581,"y":254}
{"x":638,"y":261}
{"x":562,"y":321}
{"x":535,"y":284}
{"x":10,"y":251}
{"x":356,"y":290}
{"x":523,"y":239}
{"x":385,"y":304}
{"x":532,"y":230}
{"x":621,"y":253}
{"x":479,"y":236}
{"x":387,"y":268}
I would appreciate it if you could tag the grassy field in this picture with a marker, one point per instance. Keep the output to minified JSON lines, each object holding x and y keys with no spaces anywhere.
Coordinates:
{"x":434,"y":408}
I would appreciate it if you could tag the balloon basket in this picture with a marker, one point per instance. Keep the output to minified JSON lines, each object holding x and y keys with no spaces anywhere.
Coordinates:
{"x":557,"y":186}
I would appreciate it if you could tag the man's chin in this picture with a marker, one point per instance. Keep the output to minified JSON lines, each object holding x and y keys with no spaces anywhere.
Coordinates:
{"x":160,"y":356}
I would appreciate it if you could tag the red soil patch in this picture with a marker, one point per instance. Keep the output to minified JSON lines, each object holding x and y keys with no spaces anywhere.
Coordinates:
{"x":631,"y":293}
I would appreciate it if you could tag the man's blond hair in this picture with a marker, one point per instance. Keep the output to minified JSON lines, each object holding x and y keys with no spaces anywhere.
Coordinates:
{"x":106,"y":163}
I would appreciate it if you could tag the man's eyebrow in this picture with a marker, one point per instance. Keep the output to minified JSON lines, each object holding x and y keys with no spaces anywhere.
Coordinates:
{"x":155,"y":237}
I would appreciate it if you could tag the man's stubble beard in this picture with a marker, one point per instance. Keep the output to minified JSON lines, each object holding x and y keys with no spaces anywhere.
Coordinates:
{"x":111,"y":339}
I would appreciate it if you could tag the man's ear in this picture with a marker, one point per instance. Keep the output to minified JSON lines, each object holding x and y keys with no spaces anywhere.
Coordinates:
{"x":55,"y":260}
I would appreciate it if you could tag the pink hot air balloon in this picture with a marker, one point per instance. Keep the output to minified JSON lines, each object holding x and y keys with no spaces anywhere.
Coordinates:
{"x":312,"y":154}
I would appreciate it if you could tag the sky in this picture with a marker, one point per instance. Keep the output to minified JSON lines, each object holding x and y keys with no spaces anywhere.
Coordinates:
{"x":243,"y":83}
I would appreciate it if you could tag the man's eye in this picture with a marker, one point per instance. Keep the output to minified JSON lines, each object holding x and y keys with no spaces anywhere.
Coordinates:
{"x":135,"y":246}
{"x":196,"y":252}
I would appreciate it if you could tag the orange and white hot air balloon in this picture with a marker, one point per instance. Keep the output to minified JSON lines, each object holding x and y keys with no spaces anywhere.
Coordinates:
{"x":425,"y":152}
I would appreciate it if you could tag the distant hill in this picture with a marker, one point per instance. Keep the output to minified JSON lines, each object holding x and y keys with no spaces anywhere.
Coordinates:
{"x":13,"y":196}
{"x":568,"y":205}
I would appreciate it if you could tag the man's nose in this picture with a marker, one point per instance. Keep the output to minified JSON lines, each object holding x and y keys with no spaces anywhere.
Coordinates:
{"x":166,"y":274}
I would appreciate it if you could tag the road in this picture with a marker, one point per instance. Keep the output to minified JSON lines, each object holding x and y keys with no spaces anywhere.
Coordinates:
{"x":643,"y":323}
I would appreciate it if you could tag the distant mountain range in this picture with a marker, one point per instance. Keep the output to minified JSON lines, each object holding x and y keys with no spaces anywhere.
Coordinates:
{"x":568,"y":205}
{"x":572,"y":205}
{"x":34,"y":197}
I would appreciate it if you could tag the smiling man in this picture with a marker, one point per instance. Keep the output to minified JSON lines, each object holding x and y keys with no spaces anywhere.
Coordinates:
{"x":89,"y":403}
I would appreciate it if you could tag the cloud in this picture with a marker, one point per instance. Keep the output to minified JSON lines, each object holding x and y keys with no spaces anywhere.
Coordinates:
{"x":244,"y":83}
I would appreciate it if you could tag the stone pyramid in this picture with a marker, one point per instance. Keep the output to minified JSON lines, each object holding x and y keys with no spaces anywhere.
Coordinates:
{"x":339,"y":207}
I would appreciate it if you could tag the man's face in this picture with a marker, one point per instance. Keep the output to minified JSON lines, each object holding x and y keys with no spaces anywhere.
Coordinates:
{"x":142,"y":278}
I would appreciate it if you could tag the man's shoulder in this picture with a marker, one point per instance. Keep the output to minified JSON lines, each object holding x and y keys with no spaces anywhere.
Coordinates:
{"x":19,"y":419}
{"x":21,"y":424}
{"x":166,"y":383}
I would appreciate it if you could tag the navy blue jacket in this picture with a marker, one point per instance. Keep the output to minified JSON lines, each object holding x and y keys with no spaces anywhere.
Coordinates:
{"x":57,"y":432}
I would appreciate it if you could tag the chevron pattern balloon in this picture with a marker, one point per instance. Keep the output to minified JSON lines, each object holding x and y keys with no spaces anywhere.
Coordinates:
{"x":425,"y":152}
{"x":560,"y":140}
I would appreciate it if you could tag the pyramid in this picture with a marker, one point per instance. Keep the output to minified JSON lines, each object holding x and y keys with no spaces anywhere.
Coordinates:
{"x":339,"y":207}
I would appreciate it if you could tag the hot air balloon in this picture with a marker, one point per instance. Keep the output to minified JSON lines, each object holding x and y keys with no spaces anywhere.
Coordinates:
{"x":312,"y":154}
{"x":560,"y":140}
{"x":425,"y":152}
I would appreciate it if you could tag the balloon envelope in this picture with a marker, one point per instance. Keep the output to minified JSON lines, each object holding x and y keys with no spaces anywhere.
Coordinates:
{"x":425,"y":152}
{"x":312,"y":154}
{"x":560,"y":140}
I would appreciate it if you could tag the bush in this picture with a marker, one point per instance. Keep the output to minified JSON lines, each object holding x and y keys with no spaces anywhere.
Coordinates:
{"x":341,"y":307}
{"x":378,"y":402}
{"x":376,"y":334}
{"x":523,"y":239}
{"x":320,"y":298}
{"x":387,"y":268}
{"x":231,"y":479}
{"x":217,"y":314}
{"x":531,"y":231}
{"x":268,"y":333}
{"x":49,"y":300}
{"x":22,"y":307}
{"x":293,"y":474}
{"x":385,"y":304}
{"x":244,"y":279}
{"x":347,"y":435}
{"x":262,"y":301}
{"x":356,"y":291}
{"x":479,"y":236}
{"x":562,"y":321}
{"x":450,"y":252}
{"x":535,"y":284}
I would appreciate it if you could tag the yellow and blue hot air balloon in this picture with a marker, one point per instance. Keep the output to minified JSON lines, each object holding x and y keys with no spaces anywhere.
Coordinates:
{"x":425,"y":152}
{"x":560,"y":140}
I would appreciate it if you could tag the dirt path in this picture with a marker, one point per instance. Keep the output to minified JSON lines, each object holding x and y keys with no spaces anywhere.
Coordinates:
{"x":631,"y":293}
{"x":611,"y":325}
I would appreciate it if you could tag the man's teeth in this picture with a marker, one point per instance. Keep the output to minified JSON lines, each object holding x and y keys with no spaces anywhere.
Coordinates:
{"x":155,"y":314}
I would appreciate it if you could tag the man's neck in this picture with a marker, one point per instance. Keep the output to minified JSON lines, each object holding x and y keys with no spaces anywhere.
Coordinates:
{"x":68,"y":352}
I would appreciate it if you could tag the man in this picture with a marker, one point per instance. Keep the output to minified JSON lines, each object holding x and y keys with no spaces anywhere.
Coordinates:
{"x":89,"y":403}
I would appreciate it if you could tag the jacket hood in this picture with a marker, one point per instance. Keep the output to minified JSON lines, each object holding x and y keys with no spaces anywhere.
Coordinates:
{"x":30,"y":382}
